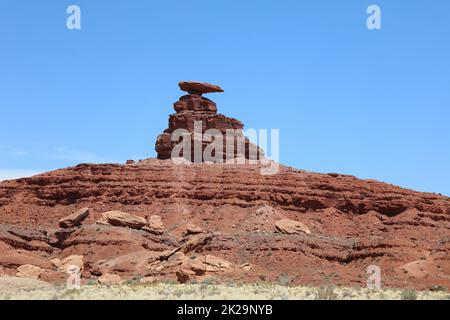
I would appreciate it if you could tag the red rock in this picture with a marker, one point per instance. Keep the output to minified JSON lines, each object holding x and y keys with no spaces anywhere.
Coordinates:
{"x":194,"y":108}
{"x":122,"y":219}
{"x":185,"y":275}
{"x":75,"y":219}
{"x":131,"y":263}
{"x":71,"y":261}
{"x":195,"y":103}
{"x":215,"y":264}
{"x":110,"y":279}
{"x":356,"y":222}
{"x":154,"y":225}
{"x":199,"y":87}
{"x":16,"y":258}
{"x":193,"y":229}
{"x":291,"y":227}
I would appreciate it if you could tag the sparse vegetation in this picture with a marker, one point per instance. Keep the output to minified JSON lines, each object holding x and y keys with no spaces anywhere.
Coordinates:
{"x":325,"y":293}
{"x":409,"y":294}
{"x":256,"y":291}
{"x":284,"y":279}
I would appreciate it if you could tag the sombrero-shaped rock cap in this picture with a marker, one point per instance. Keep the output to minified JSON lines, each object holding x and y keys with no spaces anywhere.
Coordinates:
{"x":199,"y":87}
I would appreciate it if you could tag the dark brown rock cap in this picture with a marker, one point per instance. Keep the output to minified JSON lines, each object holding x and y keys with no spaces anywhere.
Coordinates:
{"x":195,"y":87}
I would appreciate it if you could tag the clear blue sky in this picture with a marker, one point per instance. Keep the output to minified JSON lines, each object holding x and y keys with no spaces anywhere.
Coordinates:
{"x":374,"y":104}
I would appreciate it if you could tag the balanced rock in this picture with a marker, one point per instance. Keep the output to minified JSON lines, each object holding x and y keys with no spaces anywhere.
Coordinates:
{"x":123,"y":219}
{"x":195,"y":87}
{"x":75,"y":219}
{"x":197,"y":116}
{"x":291,"y":227}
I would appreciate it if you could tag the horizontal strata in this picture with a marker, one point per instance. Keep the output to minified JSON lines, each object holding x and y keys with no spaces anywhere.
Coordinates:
{"x":153,"y":181}
{"x":354,"y":223}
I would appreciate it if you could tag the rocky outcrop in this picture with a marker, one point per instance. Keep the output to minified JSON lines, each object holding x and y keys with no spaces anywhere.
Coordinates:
{"x":66,"y":264}
{"x":75,"y":219}
{"x":195,"y":113}
{"x":28,"y":271}
{"x":122,"y":219}
{"x":193,"y":229}
{"x":154,"y":225}
{"x":110,"y":279}
{"x":291,"y":227}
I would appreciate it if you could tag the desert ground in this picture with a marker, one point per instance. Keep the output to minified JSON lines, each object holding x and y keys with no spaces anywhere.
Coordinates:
{"x":14,"y":288}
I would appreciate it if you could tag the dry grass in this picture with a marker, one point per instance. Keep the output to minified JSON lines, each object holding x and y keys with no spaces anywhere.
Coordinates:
{"x":167,"y":291}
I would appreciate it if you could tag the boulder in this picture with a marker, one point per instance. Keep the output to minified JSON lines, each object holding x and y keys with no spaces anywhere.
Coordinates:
{"x":122,"y":219}
{"x":155,"y":225}
{"x":110,"y":279}
{"x":185,"y":275}
{"x":75,"y":219}
{"x":16,"y":258}
{"x":192,"y":244}
{"x":288,"y":226}
{"x":199,"y":87}
{"x":56,"y":262}
{"x":67,"y":264}
{"x":196,"y":265}
{"x":194,"y":102}
{"x":193,"y":229}
{"x":132,"y":263}
{"x":214,"y":264}
{"x":28,"y":271}
{"x":148,"y":280}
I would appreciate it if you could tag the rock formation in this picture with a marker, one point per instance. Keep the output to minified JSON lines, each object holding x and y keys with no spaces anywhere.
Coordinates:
{"x":163,"y":221}
{"x":194,"y":108}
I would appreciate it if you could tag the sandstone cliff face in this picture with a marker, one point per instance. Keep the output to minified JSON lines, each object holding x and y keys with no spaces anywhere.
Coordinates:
{"x":353,"y":223}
